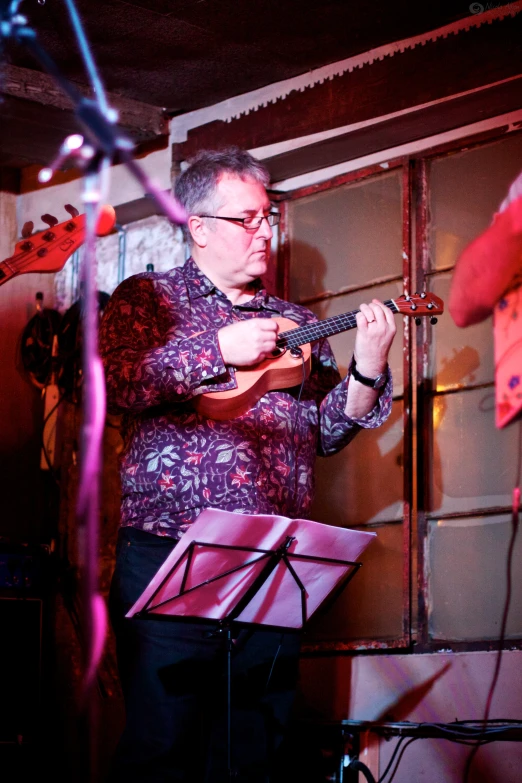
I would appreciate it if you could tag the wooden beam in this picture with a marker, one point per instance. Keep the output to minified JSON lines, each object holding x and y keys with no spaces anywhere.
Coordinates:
{"x":439,"y":118}
{"x":141,"y":119}
{"x":439,"y":69}
{"x":9,"y":180}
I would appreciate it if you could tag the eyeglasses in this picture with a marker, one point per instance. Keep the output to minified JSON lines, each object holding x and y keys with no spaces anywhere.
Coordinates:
{"x":249,"y":223}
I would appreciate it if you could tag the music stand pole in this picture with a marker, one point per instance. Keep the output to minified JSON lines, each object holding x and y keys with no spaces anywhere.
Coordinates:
{"x":225,"y":626}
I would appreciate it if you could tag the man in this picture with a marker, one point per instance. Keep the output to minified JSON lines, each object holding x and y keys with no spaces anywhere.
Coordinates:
{"x":166,"y":339}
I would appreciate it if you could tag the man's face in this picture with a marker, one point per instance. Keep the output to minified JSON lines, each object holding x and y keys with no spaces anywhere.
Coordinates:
{"x":236,"y":255}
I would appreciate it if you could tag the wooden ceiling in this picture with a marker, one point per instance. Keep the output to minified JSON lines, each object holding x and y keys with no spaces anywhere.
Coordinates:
{"x":161,"y":58}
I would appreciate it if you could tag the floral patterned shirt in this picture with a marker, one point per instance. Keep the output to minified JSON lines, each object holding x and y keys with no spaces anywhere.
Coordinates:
{"x":159,"y":346}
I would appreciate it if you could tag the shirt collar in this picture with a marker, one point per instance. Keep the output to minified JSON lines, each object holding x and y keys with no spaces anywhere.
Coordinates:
{"x":199,"y":285}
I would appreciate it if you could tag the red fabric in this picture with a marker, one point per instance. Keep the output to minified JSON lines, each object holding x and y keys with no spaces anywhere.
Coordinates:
{"x":487,"y":280}
{"x":487,"y":268}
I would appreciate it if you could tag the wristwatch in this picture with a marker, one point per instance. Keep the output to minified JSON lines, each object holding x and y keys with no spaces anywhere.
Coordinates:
{"x":373,"y":383}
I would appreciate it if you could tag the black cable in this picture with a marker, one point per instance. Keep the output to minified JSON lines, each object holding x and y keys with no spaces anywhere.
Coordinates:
{"x":43,"y":446}
{"x":509,"y":578}
{"x":360,"y":767}
{"x":392,"y":757}
{"x":273,"y":662}
{"x":399,"y":759}
{"x":303,"y":381}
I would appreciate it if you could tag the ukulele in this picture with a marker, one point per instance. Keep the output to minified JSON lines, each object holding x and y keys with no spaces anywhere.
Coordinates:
{"x":292,"y":357}
{"x":48,"y":250}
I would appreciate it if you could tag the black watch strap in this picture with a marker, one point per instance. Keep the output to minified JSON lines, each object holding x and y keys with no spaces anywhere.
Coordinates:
{"x":373,"y":383}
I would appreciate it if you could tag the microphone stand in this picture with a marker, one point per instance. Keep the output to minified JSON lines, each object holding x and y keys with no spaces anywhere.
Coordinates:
{"x":105,"y":143}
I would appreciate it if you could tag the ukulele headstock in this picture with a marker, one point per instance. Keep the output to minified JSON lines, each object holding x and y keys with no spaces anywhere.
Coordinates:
{"x":418,"y":305}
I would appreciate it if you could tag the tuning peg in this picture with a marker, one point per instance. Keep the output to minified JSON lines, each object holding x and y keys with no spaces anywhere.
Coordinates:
{"x":49,"y":219}
{"x":73,"y":212}
{"x":433,"y":320}
{"x":418,"y":321}
{"x":27,"y":229}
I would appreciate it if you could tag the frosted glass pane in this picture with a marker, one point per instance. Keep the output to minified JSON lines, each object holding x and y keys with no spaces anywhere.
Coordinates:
{"x":474,"y":463}
{"x":345,"y":236}
{"x":343,"y":344}
{"x":459,"y":357}
{"x":466,"y":190}
{"x":363,"y":482}
{"x":466,"y":603}
{"x":370,"y":607}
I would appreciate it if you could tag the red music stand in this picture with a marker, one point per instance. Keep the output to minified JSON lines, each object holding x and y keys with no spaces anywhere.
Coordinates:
{"x":252,"y":570}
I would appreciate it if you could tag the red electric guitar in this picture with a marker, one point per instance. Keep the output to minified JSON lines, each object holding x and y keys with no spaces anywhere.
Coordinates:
{"x":285,"y":368}
{"x":48,"y":250}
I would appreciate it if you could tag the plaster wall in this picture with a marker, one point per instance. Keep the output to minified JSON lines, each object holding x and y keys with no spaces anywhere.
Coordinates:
{"x":120,"y":188}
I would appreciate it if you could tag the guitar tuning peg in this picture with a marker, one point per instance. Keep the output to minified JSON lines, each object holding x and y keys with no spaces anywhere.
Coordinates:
{"x":49,"y":219}
{"x":73,"y":212}
{"x":433,"y":320}
{"x":27,"y":229}
{"x":418,"y":321}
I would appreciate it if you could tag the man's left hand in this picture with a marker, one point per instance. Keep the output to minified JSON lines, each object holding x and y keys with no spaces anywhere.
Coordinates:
{"x":376,"y":329}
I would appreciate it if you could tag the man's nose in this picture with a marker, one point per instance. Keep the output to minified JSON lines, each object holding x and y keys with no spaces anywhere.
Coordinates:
{"x":265,"y":229}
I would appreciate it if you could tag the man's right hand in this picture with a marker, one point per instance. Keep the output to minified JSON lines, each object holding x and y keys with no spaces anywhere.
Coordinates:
{"x":247,"y":342}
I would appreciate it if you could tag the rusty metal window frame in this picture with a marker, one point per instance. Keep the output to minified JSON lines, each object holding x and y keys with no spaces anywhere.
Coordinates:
{"x":418,"y":394}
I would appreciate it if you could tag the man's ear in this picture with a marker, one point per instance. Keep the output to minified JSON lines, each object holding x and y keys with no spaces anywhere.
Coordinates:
{"x":198,"y":230}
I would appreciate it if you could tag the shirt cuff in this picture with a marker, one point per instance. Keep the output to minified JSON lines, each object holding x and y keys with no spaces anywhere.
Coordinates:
{"x":380,"y":411}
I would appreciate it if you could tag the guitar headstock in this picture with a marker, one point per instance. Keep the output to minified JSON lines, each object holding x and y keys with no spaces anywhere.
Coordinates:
{"x":48,"y":250}
{"x":418,"y":305}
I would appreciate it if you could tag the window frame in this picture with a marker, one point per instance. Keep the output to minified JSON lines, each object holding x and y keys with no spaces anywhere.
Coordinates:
{"x":418,"y":392}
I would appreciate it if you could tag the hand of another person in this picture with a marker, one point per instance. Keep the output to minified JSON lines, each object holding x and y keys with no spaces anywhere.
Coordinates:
{"x":247,"y":342}
{"x":376,"y":329}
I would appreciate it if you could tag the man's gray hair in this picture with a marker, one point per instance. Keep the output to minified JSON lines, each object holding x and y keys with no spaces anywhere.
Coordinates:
{"x":196,"y":186}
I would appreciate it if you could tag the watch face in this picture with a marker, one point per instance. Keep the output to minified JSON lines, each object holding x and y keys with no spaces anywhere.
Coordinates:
{"x":380,"y":381}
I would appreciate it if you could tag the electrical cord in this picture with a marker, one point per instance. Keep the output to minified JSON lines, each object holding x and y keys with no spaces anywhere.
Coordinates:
{"x":294,"y":430}
{"x":273,"y":662}
{"x":398,"y":746}
{"x":471,"y":733}
{"x":399,"y":759}
{"x":360,"y":767}
{"x":57,"y":404}
{"x":509,"y":580}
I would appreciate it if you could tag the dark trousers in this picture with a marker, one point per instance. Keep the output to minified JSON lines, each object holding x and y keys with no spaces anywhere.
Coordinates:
{"x":174,"y":679}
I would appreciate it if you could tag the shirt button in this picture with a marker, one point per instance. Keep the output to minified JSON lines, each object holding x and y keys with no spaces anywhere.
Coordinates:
{"x":215,"y":369}
{"x":204,"y":373}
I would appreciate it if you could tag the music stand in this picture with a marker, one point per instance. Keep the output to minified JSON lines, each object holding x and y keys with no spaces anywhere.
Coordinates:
{"x":252,"y":570}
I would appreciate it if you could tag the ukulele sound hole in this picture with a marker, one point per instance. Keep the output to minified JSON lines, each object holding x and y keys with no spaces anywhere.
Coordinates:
{"x":277,"y":352}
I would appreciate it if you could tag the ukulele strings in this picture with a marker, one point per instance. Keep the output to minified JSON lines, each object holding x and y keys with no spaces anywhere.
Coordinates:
{"x":325,"y":328}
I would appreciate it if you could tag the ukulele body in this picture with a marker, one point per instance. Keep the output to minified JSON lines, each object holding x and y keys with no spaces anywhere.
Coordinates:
{"x":278,"y":372}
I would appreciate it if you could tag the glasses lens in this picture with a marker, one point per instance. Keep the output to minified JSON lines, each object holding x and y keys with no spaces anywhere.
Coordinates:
{"x":255,"y":222}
